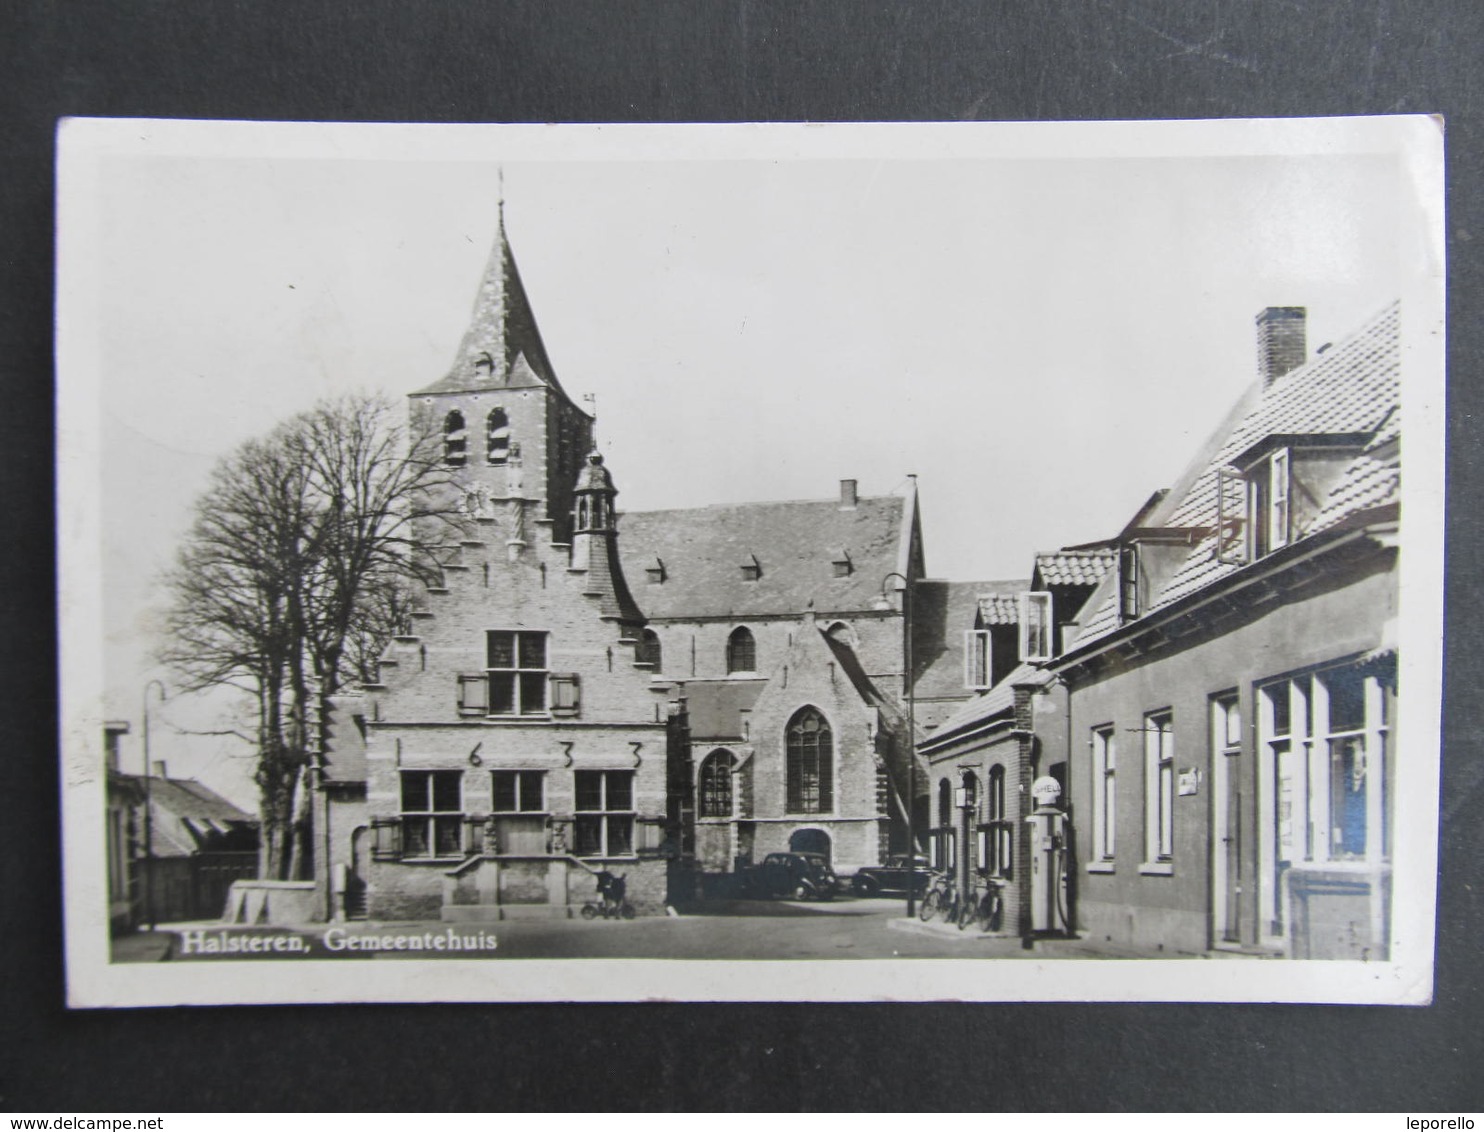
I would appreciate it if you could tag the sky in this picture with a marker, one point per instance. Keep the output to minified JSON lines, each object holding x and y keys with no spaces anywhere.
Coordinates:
{"x":1042,"y":333}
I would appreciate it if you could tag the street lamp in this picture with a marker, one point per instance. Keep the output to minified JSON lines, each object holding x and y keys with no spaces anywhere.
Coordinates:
{"x":910,"y":687}
{"x":149,"y":816}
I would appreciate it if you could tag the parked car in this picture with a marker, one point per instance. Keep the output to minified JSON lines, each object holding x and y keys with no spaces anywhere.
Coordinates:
{"x":802,"y":876}
{"x":891,"y":878}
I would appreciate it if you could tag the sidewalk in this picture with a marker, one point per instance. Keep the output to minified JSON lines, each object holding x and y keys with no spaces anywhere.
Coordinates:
{"x":142,"y":947}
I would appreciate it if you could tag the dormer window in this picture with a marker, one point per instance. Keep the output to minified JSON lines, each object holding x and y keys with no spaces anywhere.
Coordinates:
{"x":484,"y":366}
{"x":978,"y":659}
{"x":1270,"y":493}
{"x":654,"y":573}
{"x":1035,"y":626}
{"x":455,"y":440}
{"x":841,"y":562}
{"x":1129,"y":582}
{"x":497,"y":437}
{"x":752,"y":570}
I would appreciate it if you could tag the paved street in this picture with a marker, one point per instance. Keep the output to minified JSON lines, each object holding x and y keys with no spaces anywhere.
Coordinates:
{"x":740,"y":929}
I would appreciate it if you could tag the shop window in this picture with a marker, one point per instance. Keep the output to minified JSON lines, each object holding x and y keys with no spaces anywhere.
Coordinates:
{"x":1159,"y":769}
{"x":604,"y":813}
{"x":516,"y":667}
{"x":518,"y":803}
{"x":741,"y":651}
{"x":716,"y":785}
{"x":811,"y":769}
{"x":432,"y":813}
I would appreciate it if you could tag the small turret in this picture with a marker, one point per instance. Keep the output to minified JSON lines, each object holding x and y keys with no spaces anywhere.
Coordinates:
{"x":595,"y":542}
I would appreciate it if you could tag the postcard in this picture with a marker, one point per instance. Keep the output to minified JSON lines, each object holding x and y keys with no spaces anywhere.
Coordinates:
{"x":775,"y":562}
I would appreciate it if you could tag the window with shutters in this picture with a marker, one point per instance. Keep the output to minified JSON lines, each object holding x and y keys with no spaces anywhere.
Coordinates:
{"x":565,"y":694}
{"x":518,"y":803}
{"x":811,"y":763}
{"x":1035,"y":626}
{"x":432,"y":813}
{"x":604,"y":819}
{"x":978,"y":655}
{"x":516,"y":667}
{"x":455,"y":439}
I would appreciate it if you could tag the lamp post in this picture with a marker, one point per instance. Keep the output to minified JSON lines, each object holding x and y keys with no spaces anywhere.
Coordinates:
{"x":910,"y":687}
{"x":149,"y":818}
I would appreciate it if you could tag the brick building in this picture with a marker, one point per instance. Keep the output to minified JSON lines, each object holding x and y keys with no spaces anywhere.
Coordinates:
{"x":1230,"y":688}
{"x":515,"y":745}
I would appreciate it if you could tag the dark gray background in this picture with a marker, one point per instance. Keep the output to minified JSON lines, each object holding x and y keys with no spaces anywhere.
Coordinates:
{"x":533,"y":60}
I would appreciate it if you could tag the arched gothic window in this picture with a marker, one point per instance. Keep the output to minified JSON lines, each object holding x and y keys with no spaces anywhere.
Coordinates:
{"x":741,"y":651}
{"x":811,"y":763}
{"x":649,"y":650}
{"x":497,"y":437}
{"x":716,"y":785}
{"x":455,"y":439}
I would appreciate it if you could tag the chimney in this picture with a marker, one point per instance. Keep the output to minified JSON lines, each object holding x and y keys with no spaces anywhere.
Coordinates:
{"x":847,"y":495}
{"x":159,"y":771}
{"x":1281,"y":344}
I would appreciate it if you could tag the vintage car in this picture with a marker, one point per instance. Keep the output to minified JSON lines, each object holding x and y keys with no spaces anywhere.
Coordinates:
{"x":802,"y":876}
{"x":891,"y":878}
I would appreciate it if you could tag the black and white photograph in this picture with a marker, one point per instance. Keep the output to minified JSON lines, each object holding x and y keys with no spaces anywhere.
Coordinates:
{"x":730,"y":563}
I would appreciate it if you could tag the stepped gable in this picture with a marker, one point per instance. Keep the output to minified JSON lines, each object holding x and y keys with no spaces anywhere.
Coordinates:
{"x":794,"y":545}
{"x":1354,"y":386}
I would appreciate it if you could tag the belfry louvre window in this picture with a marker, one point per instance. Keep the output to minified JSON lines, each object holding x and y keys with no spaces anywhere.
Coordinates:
{"x":605,"y":813}
{"x":977,"y":658}
{"x":741,"y":651}
{"x":497,"y":437}
{"x":716,"y":785}
{"x":811,"y":763}
{"x":455,"y":439}
{"x":432,"y":813}
{"x":518,"y":803}
{"x":516,"y":665}
{"x":1035,"y":626}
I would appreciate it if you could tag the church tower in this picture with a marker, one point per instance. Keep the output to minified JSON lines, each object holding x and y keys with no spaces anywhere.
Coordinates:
{"x":506,"y":427}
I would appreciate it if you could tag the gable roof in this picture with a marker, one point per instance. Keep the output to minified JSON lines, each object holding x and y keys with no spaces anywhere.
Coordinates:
{"x":1354,"y":387}
{"x":795,"y":544}
{"x":1073,"y":567}
{"x":501,"y":347}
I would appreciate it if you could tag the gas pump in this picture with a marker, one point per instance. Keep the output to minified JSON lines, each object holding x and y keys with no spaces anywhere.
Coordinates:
{"x":1048,"y":898}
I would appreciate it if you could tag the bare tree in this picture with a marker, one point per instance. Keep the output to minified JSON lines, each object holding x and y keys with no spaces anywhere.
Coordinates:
{"x":299,"y":567}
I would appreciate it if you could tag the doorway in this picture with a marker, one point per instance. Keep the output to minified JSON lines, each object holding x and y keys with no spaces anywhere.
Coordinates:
{"x":810,"y":841}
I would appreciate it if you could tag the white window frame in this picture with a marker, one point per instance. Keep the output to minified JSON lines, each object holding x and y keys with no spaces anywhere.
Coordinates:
{"x":1279,"y":516}
{"x":429,"y":817}
{"x":518,"y":673}
{"x":606,"y":815}
{"x":1104,"y":743}
{"x":978,"y":659}
{"x":1036,"y":650}
{"x":1159,"y":791}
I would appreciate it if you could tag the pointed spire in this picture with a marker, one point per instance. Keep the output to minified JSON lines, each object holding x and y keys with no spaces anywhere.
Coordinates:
{"x":501,"y":336}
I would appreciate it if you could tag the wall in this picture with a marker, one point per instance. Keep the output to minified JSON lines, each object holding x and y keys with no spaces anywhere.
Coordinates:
{"x":1338,"y":615}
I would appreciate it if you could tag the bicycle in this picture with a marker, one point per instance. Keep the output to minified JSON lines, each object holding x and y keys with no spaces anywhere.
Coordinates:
{"x":941,"y":898}
{"x":612,"y":904}
{"x":986,"y":907}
